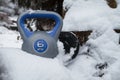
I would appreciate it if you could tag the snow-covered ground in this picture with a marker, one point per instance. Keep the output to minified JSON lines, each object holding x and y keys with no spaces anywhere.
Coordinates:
{"x":9,"y":38}
{"x":102,"y":48}
{"x":19,"y":65}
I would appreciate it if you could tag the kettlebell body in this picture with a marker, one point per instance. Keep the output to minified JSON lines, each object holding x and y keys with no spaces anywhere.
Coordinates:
{"x":40,"y":43}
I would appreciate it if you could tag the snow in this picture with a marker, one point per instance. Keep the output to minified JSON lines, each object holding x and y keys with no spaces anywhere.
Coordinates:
{"x":24,"y":66}
{"x":102,"y":48}
{"x":9,"y":38}
{"x":85,"y":15}
{"x":20,"y":65}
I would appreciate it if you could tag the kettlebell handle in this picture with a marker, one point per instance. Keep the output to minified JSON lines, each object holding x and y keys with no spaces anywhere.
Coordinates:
{"x":25,"y":33}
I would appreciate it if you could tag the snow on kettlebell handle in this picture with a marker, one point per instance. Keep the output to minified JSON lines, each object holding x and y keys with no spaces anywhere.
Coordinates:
{"x":40,"y":43}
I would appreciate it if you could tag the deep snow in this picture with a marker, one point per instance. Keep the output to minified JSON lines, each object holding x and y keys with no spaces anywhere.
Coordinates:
{"x":19,"y":65}
{"x":102,"y":47}
{"x":23,"y":66}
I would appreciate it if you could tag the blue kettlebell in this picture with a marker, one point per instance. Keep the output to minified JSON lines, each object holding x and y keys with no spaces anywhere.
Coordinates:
{"x":40,"y":43}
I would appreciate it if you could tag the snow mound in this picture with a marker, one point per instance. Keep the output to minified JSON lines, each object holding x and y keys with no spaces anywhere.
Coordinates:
{"x":90,"y":15}
{"x":101,"y":48}
{"x":20,"y":65}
